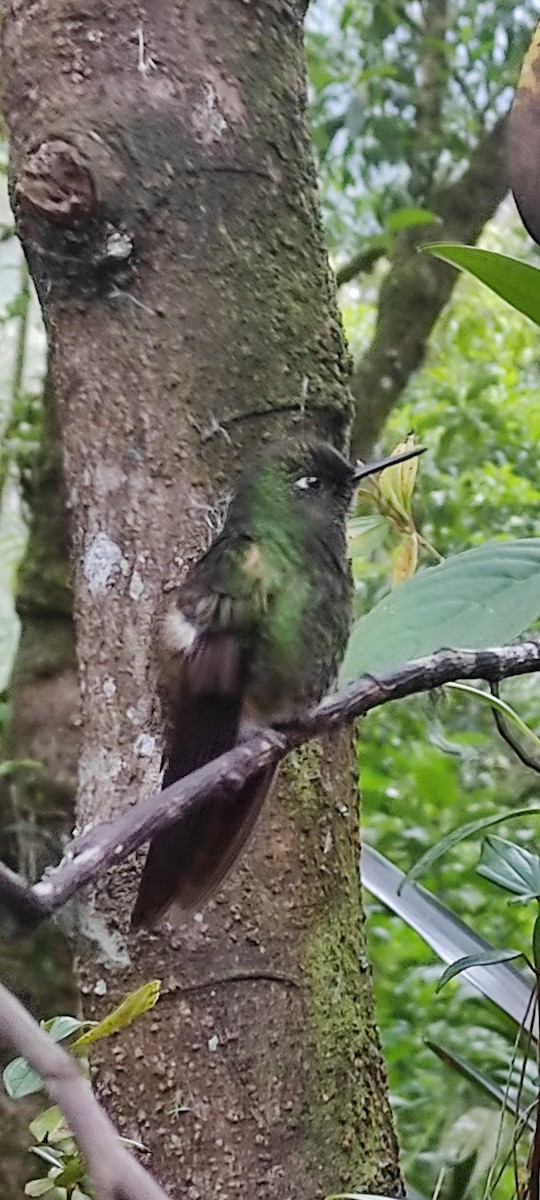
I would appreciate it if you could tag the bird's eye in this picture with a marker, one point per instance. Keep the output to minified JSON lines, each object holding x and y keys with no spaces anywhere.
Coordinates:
{"x":307,"y":481}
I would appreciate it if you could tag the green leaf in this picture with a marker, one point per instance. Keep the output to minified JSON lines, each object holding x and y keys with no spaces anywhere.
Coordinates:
{"x":39,"y":1187}
{"x":479,"y":598}
{"x":73,"y":1172}
{"x":515,"y":281}
{"x":54,"y":1158}
{"x":486,"y":959}
{"x":20,"y":1079}
{"x":511,"y":867}
{"x":365,"y":534}
{"x":47,"y":1124}
{"x":11,"y":765}
{"x":406,"y":218}
{"x":63,"y":1027}
{"x":132,"y":1006}
{"x":458,"y":835}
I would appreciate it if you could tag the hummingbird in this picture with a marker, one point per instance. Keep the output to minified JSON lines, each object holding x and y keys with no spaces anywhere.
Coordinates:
{"x":254,"y":636}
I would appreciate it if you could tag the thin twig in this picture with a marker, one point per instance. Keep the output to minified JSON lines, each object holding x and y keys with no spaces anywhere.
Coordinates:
{"x":359,"y":264}
{"x":527,"y":759}
{"x":115,"y":1173}
{"x":110,"y":842}
{"x":534,"y":1156}
{"x":521,"y":1117}
{"x":18,"y":898}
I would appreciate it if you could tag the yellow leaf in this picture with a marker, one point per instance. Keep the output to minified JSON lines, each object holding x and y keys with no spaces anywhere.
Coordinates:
{"x":133,"y":1006}
{"x":396,"y":484}
{"x":406,"y":559}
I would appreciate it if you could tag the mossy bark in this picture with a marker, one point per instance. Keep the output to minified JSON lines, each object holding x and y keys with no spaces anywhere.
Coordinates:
{"x":164,"y":190}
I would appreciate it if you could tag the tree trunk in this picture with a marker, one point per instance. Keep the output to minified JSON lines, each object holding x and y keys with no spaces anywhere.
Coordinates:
{"x":164,"y":191}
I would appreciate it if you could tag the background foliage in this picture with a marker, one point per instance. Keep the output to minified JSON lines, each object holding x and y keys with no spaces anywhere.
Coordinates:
{"x":429,"y":766}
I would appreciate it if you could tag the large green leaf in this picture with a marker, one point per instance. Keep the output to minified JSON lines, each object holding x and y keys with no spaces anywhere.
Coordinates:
{"x":515,"y":281}
{"x":476,"y":599}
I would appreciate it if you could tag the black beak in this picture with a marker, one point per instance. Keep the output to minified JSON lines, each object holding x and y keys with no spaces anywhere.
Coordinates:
{"x":361,"y":470}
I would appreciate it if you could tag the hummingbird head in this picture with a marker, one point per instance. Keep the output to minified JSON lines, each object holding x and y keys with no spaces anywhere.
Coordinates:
{"x":319,"y":477}
{"x":310,"y":486}
{"x":309,"y":482}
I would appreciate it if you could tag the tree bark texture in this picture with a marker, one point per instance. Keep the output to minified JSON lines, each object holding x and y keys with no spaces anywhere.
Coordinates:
{"x":417,"y":287}
{"x":164,"y":191}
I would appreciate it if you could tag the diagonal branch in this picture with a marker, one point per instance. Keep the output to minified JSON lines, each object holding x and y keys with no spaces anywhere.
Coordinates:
{"x":115,"y":1173}
{"x":416,"y":288}
{"x":110,"y":842}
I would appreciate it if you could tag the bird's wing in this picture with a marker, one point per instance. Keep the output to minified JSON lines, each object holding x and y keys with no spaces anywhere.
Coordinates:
{"x":218,"y":610}
{"x":207,"y":638}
